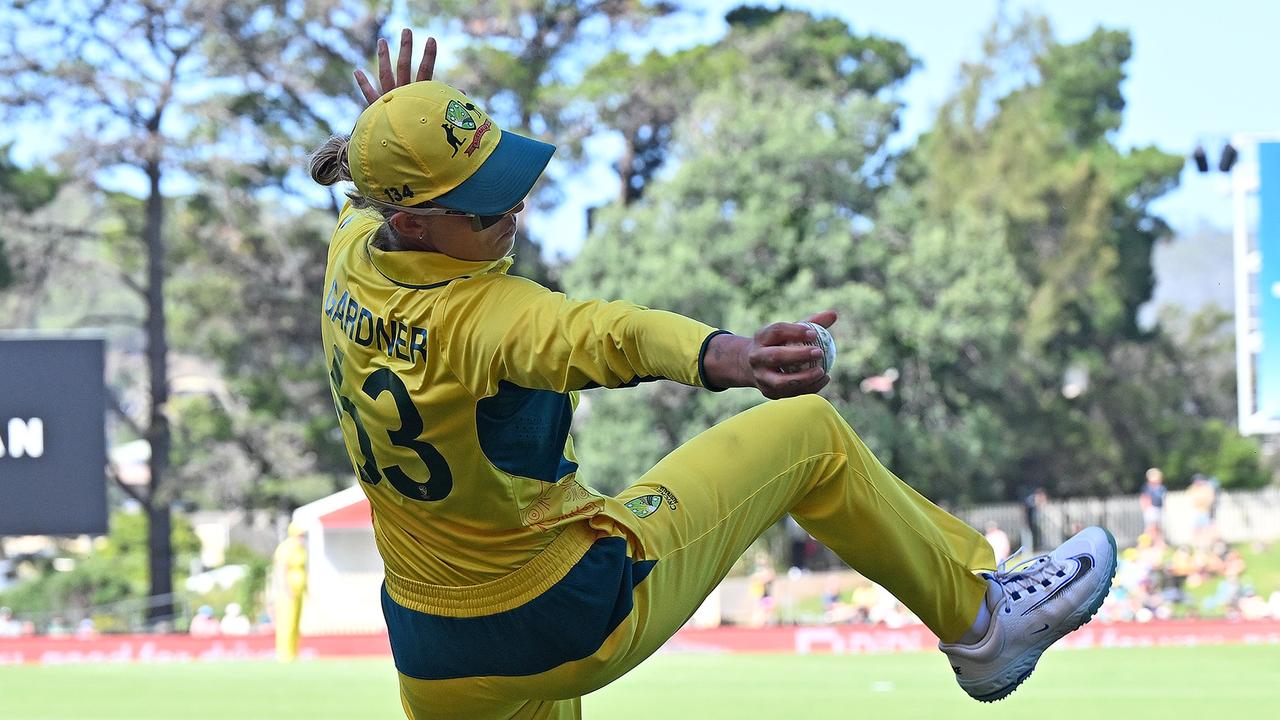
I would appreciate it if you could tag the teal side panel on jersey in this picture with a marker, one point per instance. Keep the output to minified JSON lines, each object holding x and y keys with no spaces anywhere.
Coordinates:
{"x":523,"y":431}
{"x":568,"y":622}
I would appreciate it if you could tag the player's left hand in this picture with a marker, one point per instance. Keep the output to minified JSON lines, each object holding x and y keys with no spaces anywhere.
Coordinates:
{"x":404,"y":59}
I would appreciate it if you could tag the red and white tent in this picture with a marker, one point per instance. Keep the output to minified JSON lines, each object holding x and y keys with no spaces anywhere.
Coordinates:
{"x":344,"y":572}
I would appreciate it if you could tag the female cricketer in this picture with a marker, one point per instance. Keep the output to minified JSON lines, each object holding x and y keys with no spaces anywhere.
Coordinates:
{"x":512,"y":589}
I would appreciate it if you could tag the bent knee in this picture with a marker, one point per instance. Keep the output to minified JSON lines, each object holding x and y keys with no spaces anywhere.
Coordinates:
{"x":803,"y":415}
{"x":808,"y":407}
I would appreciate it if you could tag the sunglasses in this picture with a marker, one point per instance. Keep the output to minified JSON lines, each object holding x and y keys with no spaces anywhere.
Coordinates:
{"x":478,"y":222}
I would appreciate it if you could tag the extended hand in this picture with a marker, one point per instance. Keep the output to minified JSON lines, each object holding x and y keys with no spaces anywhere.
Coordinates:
{"x":777,"y":346}
{"x":390,"y":82}
{"x":735,"y":361}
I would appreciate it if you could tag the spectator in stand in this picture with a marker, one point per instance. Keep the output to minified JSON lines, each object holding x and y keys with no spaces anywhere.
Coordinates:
{"x":864,"y":597}
{"x":1224,"y":597}
{"x":1152,"y":502}
{"x":86,"y":628}
{"x":798,"y":543}
{"x":234,"y":622}
{"x":889,"y":612}
{"x":204,"y":624}
{"x":8,"y":626}
{"x":834,"y":608}
{"x":1202,"y":495}
{"x":999,"y":540}
{"x":1234,"y":590}
{"x":1253,"y":606}
{"x":1034,"y":506}
{"x":58,"y":627}
{"x":1233,"y":565}
{"x":760,"y":590}
{"x":1181,"y":567}
{"x":1215,"y":485}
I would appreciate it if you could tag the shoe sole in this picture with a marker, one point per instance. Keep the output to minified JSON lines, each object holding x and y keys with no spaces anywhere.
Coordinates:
{"x":1027,"y":664}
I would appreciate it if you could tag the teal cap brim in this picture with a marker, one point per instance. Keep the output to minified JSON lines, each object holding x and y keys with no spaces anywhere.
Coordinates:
{"x":503,"y":180}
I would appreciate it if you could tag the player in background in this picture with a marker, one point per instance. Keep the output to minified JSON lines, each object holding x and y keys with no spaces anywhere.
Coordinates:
{"x":289,"y":576}
{"x":511,"y":588}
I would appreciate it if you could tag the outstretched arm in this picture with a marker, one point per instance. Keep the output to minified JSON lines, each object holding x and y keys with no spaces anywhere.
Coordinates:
{"x":404,"y":59}
{"x":498,"y":327}
{"x":736,"y":361}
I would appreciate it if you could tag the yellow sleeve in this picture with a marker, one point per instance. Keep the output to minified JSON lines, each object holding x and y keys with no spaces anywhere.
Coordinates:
{"x":502,"y":327}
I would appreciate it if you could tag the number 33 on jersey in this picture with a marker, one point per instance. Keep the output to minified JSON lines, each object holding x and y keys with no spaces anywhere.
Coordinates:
{"x":455,"y":386}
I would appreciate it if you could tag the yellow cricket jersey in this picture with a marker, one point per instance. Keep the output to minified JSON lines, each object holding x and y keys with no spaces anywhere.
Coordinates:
{"x":455,"y":387}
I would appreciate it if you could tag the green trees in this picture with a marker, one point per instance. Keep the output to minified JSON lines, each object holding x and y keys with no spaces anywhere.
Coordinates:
{"x":124,"y":71}
{"x":520,"y":60}
{"x":1026,"y":142}
{"x":22,"y":191}
{"x":988,"y":281}
{"x":643,"y":100}
{"x":760,"y":220}
{"x":115,"y":570}
{"x":157,"y":96}
{"x":183,"y":128}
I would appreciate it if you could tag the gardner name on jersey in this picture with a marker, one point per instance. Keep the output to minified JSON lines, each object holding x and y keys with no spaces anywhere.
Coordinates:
{"x":455,"y":385}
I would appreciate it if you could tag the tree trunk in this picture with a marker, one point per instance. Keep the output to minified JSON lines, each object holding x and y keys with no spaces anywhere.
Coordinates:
{"x":158,"y":540}
{"x":626,"y":169}
{"x":160,"y":562}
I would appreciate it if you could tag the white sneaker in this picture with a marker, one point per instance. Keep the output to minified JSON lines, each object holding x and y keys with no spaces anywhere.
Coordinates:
{"x":1032,"y":605}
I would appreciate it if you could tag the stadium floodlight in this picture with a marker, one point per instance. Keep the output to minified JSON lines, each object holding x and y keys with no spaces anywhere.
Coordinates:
{"x":1229,"y":156}
{"x":1202,"y":160}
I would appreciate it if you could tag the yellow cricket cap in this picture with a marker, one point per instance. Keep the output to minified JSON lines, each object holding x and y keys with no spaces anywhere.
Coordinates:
{"x":427,"y":141}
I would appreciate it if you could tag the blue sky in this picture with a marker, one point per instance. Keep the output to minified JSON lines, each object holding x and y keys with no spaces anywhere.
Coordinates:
{"x":1200,"y":72}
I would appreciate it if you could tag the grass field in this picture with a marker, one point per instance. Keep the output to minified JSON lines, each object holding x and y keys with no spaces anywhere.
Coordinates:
{"x":1237,"y":682}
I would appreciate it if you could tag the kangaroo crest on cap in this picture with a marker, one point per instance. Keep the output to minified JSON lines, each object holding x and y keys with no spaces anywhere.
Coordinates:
{"x":422,"y":141}
{"x":456,"y":114}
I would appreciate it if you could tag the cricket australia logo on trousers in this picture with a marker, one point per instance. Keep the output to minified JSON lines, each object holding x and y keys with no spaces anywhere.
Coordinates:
{"x":645,"y":505}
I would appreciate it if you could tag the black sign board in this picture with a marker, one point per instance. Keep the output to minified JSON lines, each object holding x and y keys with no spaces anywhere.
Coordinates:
{"x":52,"y":437}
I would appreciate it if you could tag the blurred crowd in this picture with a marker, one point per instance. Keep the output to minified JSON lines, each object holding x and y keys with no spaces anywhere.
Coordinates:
{"x":866,"y":604}
{"x":1156,"y":581}
{"x":1153,"y":582}
{"x":845,"y":599}
{"x":233,"y":622}
{"x":1205,"y":577}
{"x":56,"y":627}
{"x":204,"y":623}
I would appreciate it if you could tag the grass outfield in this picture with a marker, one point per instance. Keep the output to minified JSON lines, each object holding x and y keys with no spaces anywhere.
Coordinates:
{"x":1237,"y":682}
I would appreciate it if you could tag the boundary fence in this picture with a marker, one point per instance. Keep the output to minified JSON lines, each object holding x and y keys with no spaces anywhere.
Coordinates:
{"x":799,"y":640}
{"x":1239,"y":516}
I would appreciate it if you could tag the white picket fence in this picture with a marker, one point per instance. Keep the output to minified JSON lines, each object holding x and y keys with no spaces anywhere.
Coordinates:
{"x":1240,"y":516}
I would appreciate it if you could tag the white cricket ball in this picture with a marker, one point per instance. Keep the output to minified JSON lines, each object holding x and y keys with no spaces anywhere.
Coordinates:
{"x":825,"y":342}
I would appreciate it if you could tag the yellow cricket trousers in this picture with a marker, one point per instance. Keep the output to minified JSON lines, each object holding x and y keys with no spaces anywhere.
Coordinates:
{"x":288,"y":617}
{"x":532,"y":643}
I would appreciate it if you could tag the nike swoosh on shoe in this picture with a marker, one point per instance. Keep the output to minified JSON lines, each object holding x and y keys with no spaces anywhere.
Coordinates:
{"x":1084,"y":565}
